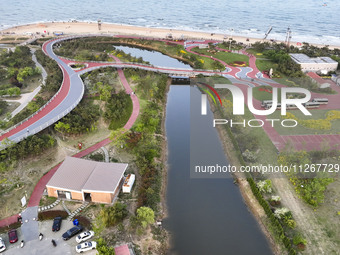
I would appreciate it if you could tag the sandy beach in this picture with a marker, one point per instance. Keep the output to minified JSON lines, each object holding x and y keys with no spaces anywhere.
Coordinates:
{"x":69,"y":28}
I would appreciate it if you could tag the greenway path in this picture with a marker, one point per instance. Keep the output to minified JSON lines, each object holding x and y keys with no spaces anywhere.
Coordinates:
{"x":33,"y":203}
{"x":72,"y":91}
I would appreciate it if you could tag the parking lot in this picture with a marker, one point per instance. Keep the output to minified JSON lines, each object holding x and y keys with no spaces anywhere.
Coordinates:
{"x":36,"y":247}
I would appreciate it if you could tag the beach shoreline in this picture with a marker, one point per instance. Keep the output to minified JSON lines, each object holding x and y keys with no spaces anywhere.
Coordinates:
{"x":70,"y":28}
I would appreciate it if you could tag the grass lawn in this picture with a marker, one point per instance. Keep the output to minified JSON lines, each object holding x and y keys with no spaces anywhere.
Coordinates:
{"x":262,"y":93}
{"x":46,"y":200}
{"x":215,"y":80}
{"x":227,"y":57}
{"x":262,"y":63}
{"x":266,"y":154}
{"x":265,"y":64}
{"x":124,"y":117}
{"x":327,"y":213}
{"x":301,"y":130}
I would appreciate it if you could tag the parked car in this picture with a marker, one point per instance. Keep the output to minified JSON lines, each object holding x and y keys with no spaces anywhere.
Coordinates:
{"x":2,"y":245}
{"x":86,"y":246}
{"x":13,"y":236}
{"x":56,"y":224}
{"x":72,"y":232}
{"x":84,"y":236}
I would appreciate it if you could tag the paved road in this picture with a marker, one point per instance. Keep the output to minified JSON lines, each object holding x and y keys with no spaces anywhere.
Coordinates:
{"x":29,"y":227}
{"x":43,"y":247}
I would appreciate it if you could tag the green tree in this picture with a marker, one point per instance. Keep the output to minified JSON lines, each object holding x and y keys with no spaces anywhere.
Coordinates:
{"x":13,"y":91}
{"x":103,"y":249}
{"x":119,"y":137}
{"x":62,"y":127}
{"x":145,"y":216}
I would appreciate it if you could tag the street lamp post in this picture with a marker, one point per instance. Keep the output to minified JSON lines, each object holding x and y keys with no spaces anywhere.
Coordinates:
{"x":231,"y":38}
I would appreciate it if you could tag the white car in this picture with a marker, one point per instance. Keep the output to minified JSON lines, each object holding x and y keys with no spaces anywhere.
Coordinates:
{"x":2,"y":245}
{"x":84,"y":236}
{"x":86,"y":246}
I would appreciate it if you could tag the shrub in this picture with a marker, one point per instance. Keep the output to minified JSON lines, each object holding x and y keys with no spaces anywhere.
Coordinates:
{"x":281,"y":212}
{"x":84,"y":221}
{"x":112,"y":215}
{"x":275,"y":200}
{"x":249,"y":156}
{"x":290,"y":223}
{"x":50,"y":215}
{"x":300,"y":242}
{"x":265,"y":186}
{"x":11,"y":226}
{"x":103,"y":248}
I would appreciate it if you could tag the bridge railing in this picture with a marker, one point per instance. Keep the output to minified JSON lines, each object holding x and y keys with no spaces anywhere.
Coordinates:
{"x":50,"y":122}
{"x":123,"y":63}
{"x":41,"y":108}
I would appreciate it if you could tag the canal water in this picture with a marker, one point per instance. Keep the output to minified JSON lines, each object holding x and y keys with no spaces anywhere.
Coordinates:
{"x":205,"y":215}
{"x":153,"y":57}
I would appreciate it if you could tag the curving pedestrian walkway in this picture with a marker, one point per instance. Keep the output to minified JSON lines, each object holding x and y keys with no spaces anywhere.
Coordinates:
{"x":72,"y":90}
{"x":61,"y":103}
{"x":39,"y":188}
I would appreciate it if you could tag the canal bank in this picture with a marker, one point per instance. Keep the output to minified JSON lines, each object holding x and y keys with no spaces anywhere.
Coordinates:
{"x":205,"y":216}
{"x":246,"y":192}
{"x":202,"y":216}
{"x":201,"y":213}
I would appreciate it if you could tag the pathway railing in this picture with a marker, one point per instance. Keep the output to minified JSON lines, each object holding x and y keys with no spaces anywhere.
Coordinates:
{"x":50,"y":122}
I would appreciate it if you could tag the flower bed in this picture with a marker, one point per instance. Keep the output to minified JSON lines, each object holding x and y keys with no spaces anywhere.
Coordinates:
{"x":239,"y":63}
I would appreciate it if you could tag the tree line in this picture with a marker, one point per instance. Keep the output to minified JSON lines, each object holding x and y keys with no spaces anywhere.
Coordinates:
{"x":31,"y":146}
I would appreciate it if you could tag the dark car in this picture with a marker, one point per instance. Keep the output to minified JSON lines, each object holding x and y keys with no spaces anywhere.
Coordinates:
{"x":13,"y":236}
{"x":72,"y":232}
{"x":56,"y":224}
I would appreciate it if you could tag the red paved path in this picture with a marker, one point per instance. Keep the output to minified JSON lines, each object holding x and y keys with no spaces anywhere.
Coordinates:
{"x":39,"y":188}
{"x":299,"y":142}
{"x":63,"y":92}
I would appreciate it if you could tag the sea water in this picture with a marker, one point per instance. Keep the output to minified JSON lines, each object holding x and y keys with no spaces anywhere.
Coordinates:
{"x":314,"y":21}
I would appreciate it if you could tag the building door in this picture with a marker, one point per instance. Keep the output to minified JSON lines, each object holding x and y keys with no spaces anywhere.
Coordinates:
{"x":87,"y":197}
{"x":61,"y":194}
{"x":68,"y":195}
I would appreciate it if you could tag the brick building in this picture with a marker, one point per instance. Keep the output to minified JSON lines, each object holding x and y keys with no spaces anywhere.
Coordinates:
{"x":87,"y":180}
